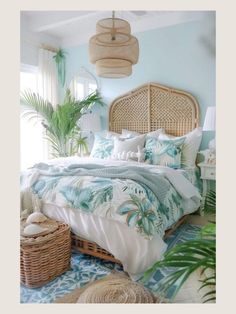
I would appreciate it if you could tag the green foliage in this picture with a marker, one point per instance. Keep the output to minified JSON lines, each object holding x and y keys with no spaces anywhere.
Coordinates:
{"x":82,"y":145}
{"x":210,"y":202}
{"x":60,"y":59}
{"x":185,"y":258}
{"x":209,"y":230}
{"x":60,"y":122}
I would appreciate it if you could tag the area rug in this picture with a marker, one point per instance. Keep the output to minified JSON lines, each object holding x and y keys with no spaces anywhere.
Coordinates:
{"x":86,"y":269}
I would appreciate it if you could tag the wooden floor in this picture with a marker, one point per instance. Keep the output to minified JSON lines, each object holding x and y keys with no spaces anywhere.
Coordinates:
{"x":189,"y":292}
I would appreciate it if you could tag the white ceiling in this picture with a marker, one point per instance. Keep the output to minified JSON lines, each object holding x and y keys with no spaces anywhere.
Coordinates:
{"x":72,"y":28}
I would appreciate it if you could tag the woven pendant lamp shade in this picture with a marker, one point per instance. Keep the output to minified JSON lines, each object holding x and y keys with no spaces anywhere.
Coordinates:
{"x":106,"y":25}
{"x":113,"y":49}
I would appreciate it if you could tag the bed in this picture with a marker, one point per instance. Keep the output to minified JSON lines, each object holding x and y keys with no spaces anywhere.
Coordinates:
{"x":107,"y":230}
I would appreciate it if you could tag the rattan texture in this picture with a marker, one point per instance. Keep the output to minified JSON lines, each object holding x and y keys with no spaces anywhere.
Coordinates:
{"x":43,"y":258}
{"x":116,"y":289}
{"x":91,"y":248}
{"x":153,"y":106}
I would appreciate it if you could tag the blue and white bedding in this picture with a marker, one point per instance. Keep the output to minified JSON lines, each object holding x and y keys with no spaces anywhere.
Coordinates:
{"x":113,"y":202}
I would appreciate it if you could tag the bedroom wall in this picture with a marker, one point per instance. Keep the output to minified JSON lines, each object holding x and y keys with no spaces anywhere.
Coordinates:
{"x":178,"y":56}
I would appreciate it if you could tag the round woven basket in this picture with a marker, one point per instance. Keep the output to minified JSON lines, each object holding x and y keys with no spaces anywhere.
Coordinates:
{"x":116,"y":289}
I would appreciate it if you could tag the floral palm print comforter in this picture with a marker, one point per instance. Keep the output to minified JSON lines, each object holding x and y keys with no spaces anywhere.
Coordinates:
{"x":124,"y":200}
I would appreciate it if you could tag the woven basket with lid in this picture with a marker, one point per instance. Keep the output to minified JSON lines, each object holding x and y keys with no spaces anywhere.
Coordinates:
{"x":45,"y":256}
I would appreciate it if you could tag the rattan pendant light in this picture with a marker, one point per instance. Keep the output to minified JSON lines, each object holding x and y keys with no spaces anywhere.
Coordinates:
{"x":113,"y":49}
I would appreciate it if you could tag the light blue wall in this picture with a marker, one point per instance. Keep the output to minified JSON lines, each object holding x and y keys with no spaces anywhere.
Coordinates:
{"x":176,"y":56}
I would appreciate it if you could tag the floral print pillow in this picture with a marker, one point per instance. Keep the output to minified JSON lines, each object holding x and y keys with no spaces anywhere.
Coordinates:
{"x":164,"y":152}
{"x":102,"y":147}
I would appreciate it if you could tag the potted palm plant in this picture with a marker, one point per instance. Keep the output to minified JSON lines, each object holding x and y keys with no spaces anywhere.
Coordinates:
{"x":185,"y":258}
{"x":60,"y":122}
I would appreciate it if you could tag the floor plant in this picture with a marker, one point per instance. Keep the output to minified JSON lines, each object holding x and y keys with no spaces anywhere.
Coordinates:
{"x":185,"y":258}
{"x":61,"y":121}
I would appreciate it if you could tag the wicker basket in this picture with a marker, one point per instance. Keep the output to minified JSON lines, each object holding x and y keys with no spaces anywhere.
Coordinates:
{"x":42,"y":258}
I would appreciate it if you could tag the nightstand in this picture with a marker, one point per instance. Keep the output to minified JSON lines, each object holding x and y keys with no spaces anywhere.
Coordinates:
{"x":208,"y":172}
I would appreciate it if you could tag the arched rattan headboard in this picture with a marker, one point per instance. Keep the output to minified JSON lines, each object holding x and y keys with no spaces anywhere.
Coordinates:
{"x":153,"y":106}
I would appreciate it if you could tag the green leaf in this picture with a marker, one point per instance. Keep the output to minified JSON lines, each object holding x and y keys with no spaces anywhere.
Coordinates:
{"x":211,"y":299}
{"x":209,"y":293}
{"x":209,"y":230}
{"x":207,"y":284}
{"x":208,"y":279}
{"x":210,"y":202}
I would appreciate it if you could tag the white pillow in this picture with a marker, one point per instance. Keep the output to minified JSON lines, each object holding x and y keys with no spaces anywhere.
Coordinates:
{"x":130,"y":134}
{"x":109,"y":134}
{"x":122,"y":147}
{"x":190,"y":146}
{"x":156,"y":133}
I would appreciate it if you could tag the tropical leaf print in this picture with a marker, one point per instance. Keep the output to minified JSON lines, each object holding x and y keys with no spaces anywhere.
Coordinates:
{"x":142,"y":216}
{"x":194,"y":176}
{"x":151,"y":142}
{"x":173,"y":209}
{"x":78,"y":198}
{"x":102,"y":147}
{"x":164,"y":152}
{"x":42,"y":186}
{"x":123,"y":200}
{"x":134,"y":188}
{"x":87,"y":199}
{"x":102,"y":195}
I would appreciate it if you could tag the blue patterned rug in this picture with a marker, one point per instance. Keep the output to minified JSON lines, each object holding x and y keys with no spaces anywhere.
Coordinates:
{"x":85,"y":269}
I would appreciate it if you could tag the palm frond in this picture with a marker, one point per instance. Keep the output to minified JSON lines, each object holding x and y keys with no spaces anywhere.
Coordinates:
{"x":184,"y":259}
{"x":212,"y":294}
{"x":210,"y":202}
{"x":60,"y":122}
{"x":34,"y":104}
{"x":209,"y":230}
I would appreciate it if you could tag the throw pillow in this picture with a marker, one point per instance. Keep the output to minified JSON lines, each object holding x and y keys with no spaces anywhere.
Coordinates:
{"x":122,"y":147}
{"x":156,"y":133}
{"x":190,"y":146}
{"x":131,"y":134}
{"x":108,"y":134}
{"x":164,"y":152}
{"x":102,"y":147}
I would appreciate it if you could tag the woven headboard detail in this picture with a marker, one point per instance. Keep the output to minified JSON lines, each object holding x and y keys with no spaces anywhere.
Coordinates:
{"x":154,"y":106}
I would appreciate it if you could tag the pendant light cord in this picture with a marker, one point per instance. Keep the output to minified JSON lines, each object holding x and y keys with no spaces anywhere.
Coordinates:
{"x":113,"y":37}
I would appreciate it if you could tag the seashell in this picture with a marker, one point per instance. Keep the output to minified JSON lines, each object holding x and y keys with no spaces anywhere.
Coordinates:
{"x":36,"y":217}
{"x":24,"y":213}
{"x":33,"y":229}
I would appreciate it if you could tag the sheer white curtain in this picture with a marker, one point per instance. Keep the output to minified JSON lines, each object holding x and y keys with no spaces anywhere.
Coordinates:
{"x":31,"y":133}
{"x":47,"y":84}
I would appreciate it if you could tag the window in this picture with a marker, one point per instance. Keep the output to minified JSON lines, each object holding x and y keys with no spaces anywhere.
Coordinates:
{"x":82,"y":87}
{"x":31,"y":132}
